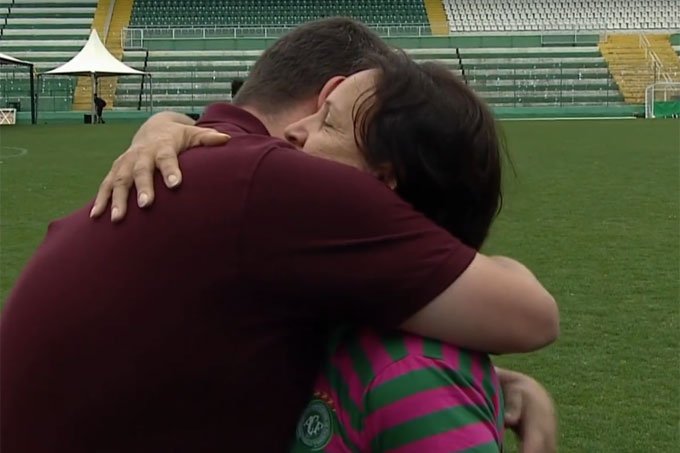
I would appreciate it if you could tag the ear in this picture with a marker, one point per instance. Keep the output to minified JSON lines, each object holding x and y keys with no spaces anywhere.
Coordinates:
{"x":328,"y":88}
{"x":385,"y":173}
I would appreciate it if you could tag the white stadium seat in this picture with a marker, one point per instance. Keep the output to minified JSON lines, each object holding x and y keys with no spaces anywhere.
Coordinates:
{"x":562,"y":15}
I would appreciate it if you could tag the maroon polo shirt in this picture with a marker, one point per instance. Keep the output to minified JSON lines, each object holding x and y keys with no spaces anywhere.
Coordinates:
{"x":199,"y":324}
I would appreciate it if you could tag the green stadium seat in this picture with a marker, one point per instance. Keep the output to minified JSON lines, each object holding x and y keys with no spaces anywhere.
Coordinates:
{"x":179,"y":13}
{"x":545,"y":76}
{"x":47,"y":33}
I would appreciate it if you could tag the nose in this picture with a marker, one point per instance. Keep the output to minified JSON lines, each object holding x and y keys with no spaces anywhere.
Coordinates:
{"x":296,"y":134}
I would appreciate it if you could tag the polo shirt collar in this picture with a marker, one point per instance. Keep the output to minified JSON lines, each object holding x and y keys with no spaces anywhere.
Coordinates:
{"x":224,"y":113}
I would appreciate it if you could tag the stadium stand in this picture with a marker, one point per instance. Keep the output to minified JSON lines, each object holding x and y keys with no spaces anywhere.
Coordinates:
{"x":564,"y":15}
{"x":179,"y":13}
{"x":436,"y":15}
{"x":504,"y":76}
{"x":636,"y":61}
{"x":193,"y":77}
{"x":186,"y":78}
{"x":193,"y":62}
{"x":47,"y":33}
{"x":540,"y":76}
{"x":561,"y":70}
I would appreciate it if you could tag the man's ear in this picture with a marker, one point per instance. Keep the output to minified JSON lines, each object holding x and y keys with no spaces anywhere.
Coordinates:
{"x":328,"y":88}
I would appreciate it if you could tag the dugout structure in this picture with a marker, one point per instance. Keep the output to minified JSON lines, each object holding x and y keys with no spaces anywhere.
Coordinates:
{"x":6,"y":60}
{"x":94,"y":61}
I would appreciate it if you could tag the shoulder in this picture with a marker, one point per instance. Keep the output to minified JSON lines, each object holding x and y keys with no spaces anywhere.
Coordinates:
{"x":388,"y":352}
{"x":380,"y":357}
{"x":283,"y":161}
{"x":409,"y":358}
{"x":320,"y":189}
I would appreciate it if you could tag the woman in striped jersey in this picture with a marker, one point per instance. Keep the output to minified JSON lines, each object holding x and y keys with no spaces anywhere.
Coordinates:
{"x":390,"y":391}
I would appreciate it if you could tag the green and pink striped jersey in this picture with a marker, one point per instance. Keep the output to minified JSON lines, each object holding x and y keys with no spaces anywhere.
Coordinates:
{"x":393,"y":392}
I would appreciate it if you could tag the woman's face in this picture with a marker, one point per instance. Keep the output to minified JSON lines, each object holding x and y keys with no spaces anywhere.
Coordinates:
{"x":329,"y":133}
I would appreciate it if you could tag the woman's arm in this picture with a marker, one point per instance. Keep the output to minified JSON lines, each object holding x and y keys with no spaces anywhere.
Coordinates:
{"x":529,"y":412}
{"x":156,"y":144}
{"x":492,"y":306}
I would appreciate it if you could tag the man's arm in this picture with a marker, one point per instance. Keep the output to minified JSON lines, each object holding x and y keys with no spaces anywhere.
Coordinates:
{"x":348,"y":250}
{"x":493,"y":289}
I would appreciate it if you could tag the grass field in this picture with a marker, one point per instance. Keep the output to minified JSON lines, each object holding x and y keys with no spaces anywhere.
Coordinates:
{"x":593,"y":210}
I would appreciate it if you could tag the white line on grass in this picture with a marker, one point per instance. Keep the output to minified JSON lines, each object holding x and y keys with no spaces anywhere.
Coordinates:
{"x":17,"y":152}
{"x":584,"y":118}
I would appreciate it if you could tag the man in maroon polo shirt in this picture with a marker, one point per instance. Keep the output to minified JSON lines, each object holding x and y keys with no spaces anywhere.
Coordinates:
{"x":193,"y":329}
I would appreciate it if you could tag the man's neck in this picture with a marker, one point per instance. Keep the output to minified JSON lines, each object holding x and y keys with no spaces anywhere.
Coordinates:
{"x":271,"y":122}
{"x":276,"y":124}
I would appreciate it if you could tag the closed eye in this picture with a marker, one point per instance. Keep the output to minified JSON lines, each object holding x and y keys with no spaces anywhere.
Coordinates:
{"x":327,"y":115}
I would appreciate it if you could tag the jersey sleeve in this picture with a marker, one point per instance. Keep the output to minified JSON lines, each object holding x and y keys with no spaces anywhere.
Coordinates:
{"x":420,"y":404}
{"x":332,"y":243}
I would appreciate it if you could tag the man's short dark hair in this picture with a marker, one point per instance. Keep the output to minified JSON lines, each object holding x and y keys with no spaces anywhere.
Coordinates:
{"x":297,"y":66}
{"x":236,"y":85}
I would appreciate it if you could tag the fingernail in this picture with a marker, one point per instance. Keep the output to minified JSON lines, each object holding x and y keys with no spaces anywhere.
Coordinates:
{"x":173,"y":180}
{"x":92,"y":213}
{"x":142,"y":200}
{"x":114,"y":213}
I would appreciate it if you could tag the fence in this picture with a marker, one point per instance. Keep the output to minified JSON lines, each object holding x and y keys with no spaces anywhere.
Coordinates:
{"x":557,"y":85}
{"x":501,"y":86}
{"x":134,"y":38}
{"x":55,"y":93}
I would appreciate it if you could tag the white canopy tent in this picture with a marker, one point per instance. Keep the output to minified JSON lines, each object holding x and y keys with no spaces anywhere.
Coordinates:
{"x":6,"y":59}
{"x":95,"y":60}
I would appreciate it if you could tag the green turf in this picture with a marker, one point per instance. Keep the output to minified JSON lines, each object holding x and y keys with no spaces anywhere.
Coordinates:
{"x":593,"y":211}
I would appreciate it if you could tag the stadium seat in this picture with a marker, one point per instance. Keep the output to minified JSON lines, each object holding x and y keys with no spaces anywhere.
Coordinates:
{"x":561,"y":15}
{"x":566,"y":69}
{"x":504,"y":76}
{"x":47,"y":33}
{"x":189,"y":78}
{"x":179,"y":13}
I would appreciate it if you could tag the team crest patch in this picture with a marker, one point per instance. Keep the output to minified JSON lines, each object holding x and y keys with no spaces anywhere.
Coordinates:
{"x":315,"y":427}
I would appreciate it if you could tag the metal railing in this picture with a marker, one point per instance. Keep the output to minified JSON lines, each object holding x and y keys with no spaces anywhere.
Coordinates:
{"x":554,"y":86}
{"x":572,"y":38}
{"x":134,"y":38}
{"x":141,"y":86}
{"x":107,"y":23}
{"x":653,"y":60}
{"x":56,"y":94}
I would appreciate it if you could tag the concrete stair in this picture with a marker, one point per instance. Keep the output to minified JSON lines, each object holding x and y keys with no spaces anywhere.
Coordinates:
{"x":629,"y":65}
{"x":437,"y":17}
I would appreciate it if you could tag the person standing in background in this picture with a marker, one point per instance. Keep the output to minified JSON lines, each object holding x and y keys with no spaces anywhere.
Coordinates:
{"x":99,"y":104}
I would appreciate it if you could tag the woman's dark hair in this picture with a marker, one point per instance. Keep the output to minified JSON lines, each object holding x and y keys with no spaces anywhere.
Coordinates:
{"x":440,"y":140}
